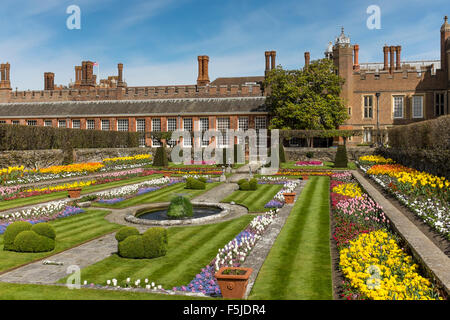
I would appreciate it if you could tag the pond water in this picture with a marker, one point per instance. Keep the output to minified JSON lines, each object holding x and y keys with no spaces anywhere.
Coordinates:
{"x":161,"y":213}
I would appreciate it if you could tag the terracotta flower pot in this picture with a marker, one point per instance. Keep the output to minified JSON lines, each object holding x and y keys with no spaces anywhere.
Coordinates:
{"x":74,"y":193}
{"x":233,"y":286}
{"x":305,"y":177}
{"x":289,"y":198}
{"x":167,"y":175}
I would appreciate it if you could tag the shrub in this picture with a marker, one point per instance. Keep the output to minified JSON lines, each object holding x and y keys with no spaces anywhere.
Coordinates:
{"x":132,"y":247}
{"x":310,"y":154}
{"x":17,"y":137}
{"x":253,"y":184}
{"x":195,"y":184}
{"x":241,"y":181}
{"x":44,"y":229}
{"x":245,"y":186}
{"x":155,"y":242}
{"x":125,"y":232}
{"x":160,"y":159}
{"x":180,"y":207}
{"x":202,"y":179}
{"x":12,"y":231}
{"x":341,"y":160}
{"x":30,"y":241}
{"x":282,"y":153}
{"x":152,"y":244}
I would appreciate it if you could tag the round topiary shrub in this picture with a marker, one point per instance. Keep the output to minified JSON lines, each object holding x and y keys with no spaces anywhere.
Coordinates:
{"x":202,"y":179}
{"x":132,"y":247}
{"x":125,"y":232}
{"x":180,"y":207}
{"x":155,"y":242}
{"x":12,"y":231}
{"x":253,"y":184}
{"x":195,"y":184}
{"x":44,"y":229}
{"x":241,"y":181}
{"x":30,"y":241}
{"x":244,"y":186}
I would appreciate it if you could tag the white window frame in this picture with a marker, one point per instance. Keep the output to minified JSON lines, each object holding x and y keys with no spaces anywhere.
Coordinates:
{"x":140,"y":127}
{"x":32,"y":123}
{"x":259,"y":125}
{"x":123,"y":125}
{"x":156,"y":122}
{"x":171,"y":127}
{"x":76,"y":126}
{"x":223,"y":140}
{"x":48,"y":123}
{"x":368,"y":130}
{"x":204,"y":128}
{"x":90,"y":124}
{"x":16,"y":122}
{"x":62,"y":121}
{"x":394,"y":97}
{"x":243,"y":124}
{"x":413,"y":106}
{"x":103,"y":125}
{"x":368,"y":107}
{"x":190,"y":127}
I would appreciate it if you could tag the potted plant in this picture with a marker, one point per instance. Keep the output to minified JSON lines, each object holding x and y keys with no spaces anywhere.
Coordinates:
{"x":74,"y":192}
{"x":233,"y":281}
{"x":289,"y":198}
{"x":304,"y":177}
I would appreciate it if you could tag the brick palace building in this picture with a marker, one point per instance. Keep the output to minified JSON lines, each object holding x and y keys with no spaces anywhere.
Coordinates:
{"x":401,"y":91}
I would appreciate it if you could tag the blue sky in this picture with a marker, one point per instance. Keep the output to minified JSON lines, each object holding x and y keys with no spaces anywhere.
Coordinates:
{"x":158,"y":40}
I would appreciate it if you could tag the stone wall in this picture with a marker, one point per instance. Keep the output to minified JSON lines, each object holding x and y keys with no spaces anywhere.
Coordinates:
{"x":33,"y":159}
{"x":325,"y":154}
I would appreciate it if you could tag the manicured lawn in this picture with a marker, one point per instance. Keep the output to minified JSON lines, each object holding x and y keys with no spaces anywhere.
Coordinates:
{"x":326,"y":166}
{"x":10,"y":291}
{"x":255,"y":200}
{"x":161,"y":195}
{"x":298,"y":266}
{"x":5,"y":205}
{"x":190,"y":249}
{"x":70,"y":231}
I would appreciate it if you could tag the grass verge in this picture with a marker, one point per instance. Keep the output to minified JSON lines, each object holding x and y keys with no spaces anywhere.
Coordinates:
{"x":255,"y":200}
{"x":298,"y":266}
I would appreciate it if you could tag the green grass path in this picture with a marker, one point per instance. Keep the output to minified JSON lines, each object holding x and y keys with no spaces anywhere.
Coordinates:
{"x":298,"y":266}
{"x":10,"y":291}
{"x":70,"y":232}
{"x":257,"y":199}
{"x":190,"y":249}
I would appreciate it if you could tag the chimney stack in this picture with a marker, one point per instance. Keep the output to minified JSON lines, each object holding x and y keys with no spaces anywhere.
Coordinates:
{"x":386,"y":53}
{"x":78,"y":76}
{"x":356,"y":57}
{"x":398,"y":55}
{"x":307,"y":59}
{"x":203,"y":72}
{"x":119,"y":74}
{"x":392,"y":52}
{"x":49,"y":81}
{"x":273,"y":54}
{"x":4,"y":76}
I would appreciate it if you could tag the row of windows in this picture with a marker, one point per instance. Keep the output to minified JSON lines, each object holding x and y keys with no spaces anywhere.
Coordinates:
{"x":398,"y":105}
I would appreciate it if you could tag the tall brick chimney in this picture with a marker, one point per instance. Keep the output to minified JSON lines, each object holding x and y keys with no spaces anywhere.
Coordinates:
{"x":78,"y":72}
{"x":391,"y":54}
{"x":307,"y":59}
{"x":87,"y":74}
{"x":203,"y":76}
{"x":119,"y":74}
{"x":5,"y":82}
{"x":398,"y":50}
{"x":356,"y":57}
{"x":273,"y":55}
{"x":386,"y":61}
{"x":267,"y":55}
{"x":49,"y":81}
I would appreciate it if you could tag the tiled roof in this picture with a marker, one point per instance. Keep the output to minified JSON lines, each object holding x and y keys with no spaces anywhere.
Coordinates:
{"x":134,"y":107}
{"x":236,"y":80}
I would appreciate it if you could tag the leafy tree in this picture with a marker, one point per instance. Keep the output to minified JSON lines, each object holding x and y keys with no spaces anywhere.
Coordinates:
{"x":306,"y":99}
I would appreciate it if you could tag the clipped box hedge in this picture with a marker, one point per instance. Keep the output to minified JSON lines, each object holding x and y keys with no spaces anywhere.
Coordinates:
{"x":151,"y":244}
{"x":19,"y":137}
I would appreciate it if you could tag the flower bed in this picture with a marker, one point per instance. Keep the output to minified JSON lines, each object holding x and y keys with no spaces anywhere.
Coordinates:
{"x":301,"y":172}
{"x":279,"y":200}
{"x":426,"y":195}
{"x":232,"y":255}
{"x":192,"y":171}
{"x":51,"y":211}
{"x":20,"y":175}
{"x":309,"y":163}
{"x":374,"y":265}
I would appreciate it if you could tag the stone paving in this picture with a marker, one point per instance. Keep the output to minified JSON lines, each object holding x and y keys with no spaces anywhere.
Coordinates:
{"x":424,"y":250}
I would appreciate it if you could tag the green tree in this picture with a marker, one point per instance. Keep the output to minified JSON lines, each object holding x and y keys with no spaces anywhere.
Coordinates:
{"x":306,"y":99}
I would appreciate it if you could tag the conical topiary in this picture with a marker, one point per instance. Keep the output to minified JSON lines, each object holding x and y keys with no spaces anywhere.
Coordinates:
{"x":282,"y":154}
{"x":160,"y":159}
{"x":341,"y":160}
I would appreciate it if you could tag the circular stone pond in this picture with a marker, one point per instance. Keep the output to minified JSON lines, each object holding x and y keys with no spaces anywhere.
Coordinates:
{"x":203,"y":212}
